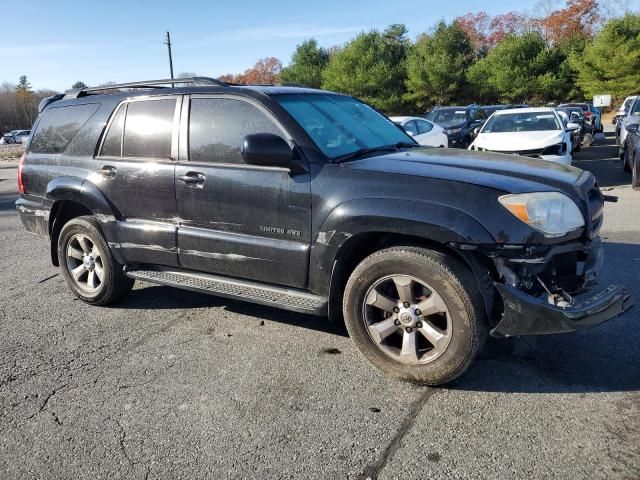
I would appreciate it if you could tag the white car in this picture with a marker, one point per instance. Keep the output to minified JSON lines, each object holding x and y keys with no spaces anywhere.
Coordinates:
{"x":423,"y":131}
{"x":529,"y":132}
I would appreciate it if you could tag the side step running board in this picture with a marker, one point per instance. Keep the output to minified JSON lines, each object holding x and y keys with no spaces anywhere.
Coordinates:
{"x":286,"y":298}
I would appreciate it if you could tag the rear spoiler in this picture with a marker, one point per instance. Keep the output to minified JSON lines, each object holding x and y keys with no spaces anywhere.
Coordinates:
{"x":45,"y":102}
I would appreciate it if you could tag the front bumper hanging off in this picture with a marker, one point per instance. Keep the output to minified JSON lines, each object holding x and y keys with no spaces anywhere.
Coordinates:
{"x":528,"y":315}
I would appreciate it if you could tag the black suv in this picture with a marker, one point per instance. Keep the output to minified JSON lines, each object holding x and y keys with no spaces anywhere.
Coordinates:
{"x":459,"y":123}
{"x":312,"y":201}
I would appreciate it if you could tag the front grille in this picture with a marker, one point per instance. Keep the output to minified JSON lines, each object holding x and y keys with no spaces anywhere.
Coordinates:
{"x":535,"y":153}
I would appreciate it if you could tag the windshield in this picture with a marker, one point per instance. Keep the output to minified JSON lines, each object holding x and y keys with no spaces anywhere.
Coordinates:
{"x":448,"y":117}
{"x":636,"y":108}
{"x":341,"y":125}
{"x":522,"y":122}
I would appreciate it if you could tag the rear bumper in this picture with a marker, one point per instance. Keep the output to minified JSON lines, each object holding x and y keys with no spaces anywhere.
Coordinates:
{"x":528,"y":315}
{"x":33,"y":216}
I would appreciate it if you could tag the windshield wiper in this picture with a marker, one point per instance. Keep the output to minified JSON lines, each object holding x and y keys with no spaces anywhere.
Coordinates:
{"x":382,"y":148}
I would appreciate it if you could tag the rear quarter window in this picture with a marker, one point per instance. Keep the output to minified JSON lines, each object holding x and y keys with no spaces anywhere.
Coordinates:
{"x":58,"y":126}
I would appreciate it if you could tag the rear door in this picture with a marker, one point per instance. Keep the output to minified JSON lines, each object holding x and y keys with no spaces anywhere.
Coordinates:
{"x":135,"y":170}
{"x":239,"y":220}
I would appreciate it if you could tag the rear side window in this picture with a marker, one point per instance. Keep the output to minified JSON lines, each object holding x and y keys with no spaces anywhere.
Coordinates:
{"x":112,"y":145}
{"x":424,"y":127}
{"x":217,"y":127}
{"x":58,"y":126}
{"x":148,"y":129}
{"x":410,"y":127}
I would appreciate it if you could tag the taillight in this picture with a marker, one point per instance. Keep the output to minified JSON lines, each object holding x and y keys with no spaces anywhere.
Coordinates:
{"x":20,"y":168}
{"x":588,"y":113}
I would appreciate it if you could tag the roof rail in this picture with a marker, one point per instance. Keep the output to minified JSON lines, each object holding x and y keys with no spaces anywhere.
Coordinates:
{"x":164,"y":83}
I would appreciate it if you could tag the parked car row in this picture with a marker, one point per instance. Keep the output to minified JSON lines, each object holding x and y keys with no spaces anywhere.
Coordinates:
{"x":628,"y":138}
{"x":15,"y":136}
{"x":547,"y":133}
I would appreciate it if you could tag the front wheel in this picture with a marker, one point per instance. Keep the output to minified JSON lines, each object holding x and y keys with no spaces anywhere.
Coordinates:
{"x":87,"y":265}
{"x":412,"y":312}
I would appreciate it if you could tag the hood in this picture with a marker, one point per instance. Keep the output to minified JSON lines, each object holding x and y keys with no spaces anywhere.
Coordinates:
{"x":508,"y":173}
{"x":518,"y":141}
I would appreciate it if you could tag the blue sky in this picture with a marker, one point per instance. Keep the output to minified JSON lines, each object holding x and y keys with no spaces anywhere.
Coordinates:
{"x":57,"y":43}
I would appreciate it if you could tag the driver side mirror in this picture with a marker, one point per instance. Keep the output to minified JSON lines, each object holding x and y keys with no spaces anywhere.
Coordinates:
{"x":266,"y":149}
{"x":632,"y":128}
{"x":572,"y":127}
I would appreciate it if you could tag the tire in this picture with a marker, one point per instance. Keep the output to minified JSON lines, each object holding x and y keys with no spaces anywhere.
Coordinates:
{"x":635,"y":174}
{"x":87,"y":265}
{"x":437,"y":282}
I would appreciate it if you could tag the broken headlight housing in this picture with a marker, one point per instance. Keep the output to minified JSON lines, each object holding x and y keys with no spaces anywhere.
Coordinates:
{"x":551,"y":213}
{"x":558,"y":149}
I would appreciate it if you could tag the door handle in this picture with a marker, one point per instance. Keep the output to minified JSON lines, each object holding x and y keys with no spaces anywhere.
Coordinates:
{"x":192,"y":178}
{"x":108,"y":171}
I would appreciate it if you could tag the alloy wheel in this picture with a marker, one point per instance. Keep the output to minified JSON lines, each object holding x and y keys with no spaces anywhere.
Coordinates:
{"x":407,"y":319}
{"x":84,"y":262}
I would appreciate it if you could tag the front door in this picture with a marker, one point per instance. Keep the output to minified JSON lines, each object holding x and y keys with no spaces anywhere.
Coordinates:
{"x":135,"y":171}
{"x":239,"y":220}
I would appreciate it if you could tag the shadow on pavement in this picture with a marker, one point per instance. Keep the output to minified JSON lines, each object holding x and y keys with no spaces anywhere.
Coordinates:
{"x":7,"y":201}
{"x":602,"y":159}
{"x":162,"y":298}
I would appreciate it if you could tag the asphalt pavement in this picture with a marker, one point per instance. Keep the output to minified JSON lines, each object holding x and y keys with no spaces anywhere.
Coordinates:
{"x":174,"y":384}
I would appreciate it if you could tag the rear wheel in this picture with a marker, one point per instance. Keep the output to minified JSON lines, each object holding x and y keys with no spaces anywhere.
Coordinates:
{"x":87,"y":265}
{"x":413,"y":314}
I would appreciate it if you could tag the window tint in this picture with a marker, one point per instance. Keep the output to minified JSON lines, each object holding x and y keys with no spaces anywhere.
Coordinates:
{"x":148,"y":129}
{"x":59,"y":125}
{"x":477,"y":114}
{"x":217,"y":127}
{"x":410,"y":127}
{"x":424,"y":127}
{"x":112,"y":145}
{"x":448,"y":117}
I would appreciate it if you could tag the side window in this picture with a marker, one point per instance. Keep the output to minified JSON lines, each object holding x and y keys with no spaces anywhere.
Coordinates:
{"x":217,"y":127}
{"x":112,"y":145}
{"x":148,"y":129}
{"x":477,"y":114}
{"x":58,"y":126}
{"x":410,"y":127}
{"x":424,"y":127}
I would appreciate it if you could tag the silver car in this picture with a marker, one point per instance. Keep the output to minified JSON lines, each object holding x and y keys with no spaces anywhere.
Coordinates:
{"x":632,"y":116}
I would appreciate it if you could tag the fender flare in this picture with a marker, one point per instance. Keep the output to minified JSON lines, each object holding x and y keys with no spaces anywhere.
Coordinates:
{"x":84,"y":193}
{"x":435,"y":222}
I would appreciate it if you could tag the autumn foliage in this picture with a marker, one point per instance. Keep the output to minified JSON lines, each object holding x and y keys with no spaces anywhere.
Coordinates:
{"x":266,"y":71}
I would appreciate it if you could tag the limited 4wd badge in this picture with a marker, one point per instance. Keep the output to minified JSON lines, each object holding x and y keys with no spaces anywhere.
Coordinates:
{"x":281,"y":231}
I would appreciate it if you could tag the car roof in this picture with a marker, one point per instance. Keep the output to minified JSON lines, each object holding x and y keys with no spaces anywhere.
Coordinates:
{"x":406,"y":118}
{"x":524,"y":110}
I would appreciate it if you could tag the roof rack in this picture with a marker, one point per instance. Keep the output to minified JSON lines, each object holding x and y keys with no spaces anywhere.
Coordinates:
{"x":195,"y":81}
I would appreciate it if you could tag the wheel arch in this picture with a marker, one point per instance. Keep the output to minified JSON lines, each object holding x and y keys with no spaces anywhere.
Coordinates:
{"x":353,"y":232}
{"x":71,"y":197}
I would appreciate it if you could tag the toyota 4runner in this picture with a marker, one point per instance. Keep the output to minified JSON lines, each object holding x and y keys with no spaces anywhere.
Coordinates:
{"x":312,"y":201}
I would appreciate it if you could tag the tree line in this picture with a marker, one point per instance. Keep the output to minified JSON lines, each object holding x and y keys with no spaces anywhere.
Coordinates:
{"x":568,"y":54}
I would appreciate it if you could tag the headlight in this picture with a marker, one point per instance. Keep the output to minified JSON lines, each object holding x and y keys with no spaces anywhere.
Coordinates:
{"x":552,"y":213}
{"x":452,"y":131}
{"x":558,"y":149}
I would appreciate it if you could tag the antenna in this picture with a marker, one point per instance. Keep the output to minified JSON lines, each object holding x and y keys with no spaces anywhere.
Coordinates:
{"x":167,"y":42}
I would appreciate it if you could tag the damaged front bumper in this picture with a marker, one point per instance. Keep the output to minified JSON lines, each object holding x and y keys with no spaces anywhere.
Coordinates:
{"x":525,"y":314}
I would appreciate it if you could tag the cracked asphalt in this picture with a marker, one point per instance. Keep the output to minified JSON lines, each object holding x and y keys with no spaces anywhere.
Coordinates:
{"x":174,"y":384}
